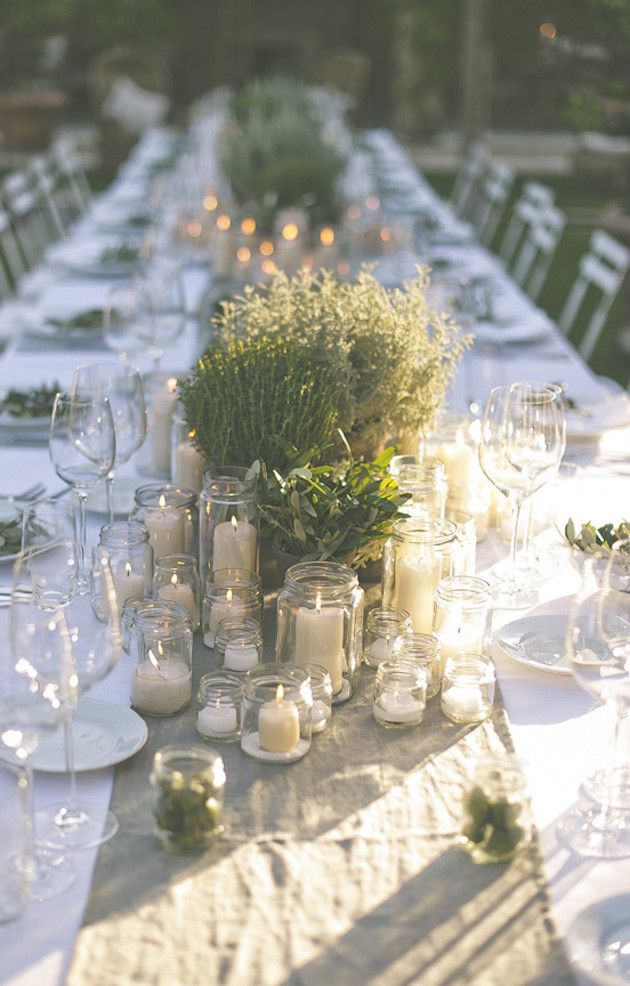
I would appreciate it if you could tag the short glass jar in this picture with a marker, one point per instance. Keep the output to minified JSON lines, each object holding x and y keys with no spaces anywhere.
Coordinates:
{"x":154,"y":456}
{"x":219,"y":706}
{"x":230,"y":594}
{"x":188,"y":784}
{"x":238,"y":644}
{"x":170,"y":515}
{"x":133,"y":606}
{"x":276,"y":722}
{"x":176,"y":580}
{"x":467,"y":688}
{"x":382,"y":629}
{"x":162,"y":680}
{"x":228,"y":508}
{"x":187,"y":463}
{"x":462,"y":615}
{"x":415,"y":558}
{"x":125,"y":543}
{"x":497,"y":820}
{"x":425,"y":482}
{"x":320,"y":621}
{"x":400,"y":694}
{"x":467,"y":538}
{"x":423,"y":651}
{"x":321,"y":686}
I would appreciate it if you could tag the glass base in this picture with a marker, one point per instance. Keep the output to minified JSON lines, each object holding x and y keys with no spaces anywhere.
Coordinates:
{"x":610,"y":786}
{"x":53,"y":873}
{"x":56,"y":828}
{"x":508,"y":594}
{"x":596,"y":833}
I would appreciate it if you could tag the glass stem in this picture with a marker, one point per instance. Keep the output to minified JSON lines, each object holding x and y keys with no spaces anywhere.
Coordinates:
{"x":110,"y":495}
{"x":518,"y":504}
{"x":83,"y":578}
{"x":70,"y":815}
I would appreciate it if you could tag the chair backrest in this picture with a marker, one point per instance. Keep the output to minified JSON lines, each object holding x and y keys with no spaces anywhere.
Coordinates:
{"x":537,"y":250}
{"x":473,"y":167}
{"x":7,"y":277}
{"x":45,"y":182}
{"x":77,"y":193}
{"x":533,"y":199}
{"x":31,"y":226}
{"x":12,"y":262}
{"x":493,"y":195}
{"x":603,"y":269}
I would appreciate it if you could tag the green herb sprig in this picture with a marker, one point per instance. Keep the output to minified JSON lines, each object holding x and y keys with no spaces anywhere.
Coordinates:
{"x":10,"y":536}
{"x":596,"y":540}
{"x":493,"y":824}
{"x":34,"y":403}
{"x":83,"y":322}
{"x":126,"y":253}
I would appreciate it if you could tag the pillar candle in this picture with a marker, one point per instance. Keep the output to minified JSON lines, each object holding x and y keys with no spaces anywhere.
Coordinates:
{"x":166,"y":530}
{"x":232,"y":607}
{"x":279,"y":724}
{"x":319,"y":640}
{"x":128,"y":585}
{"x":415,"y":587}
{"x":462,"y":638}
{"x":234,"y":545}
{"x":162,"y":407}
{"x":188,"y":466}
{"x":161,"y":689}
{"x":179,"y":592}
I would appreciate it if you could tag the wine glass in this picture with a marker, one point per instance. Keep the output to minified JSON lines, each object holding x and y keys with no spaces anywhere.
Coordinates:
{"x":522,"y":444}
{"x":598,"y":645}
{"x":122,"y":385}
{"x":82,"y":447}
{"x":50,"y":527}
{"x":96,"y":648}
{"x":161,"y":310}
{"x":120,"y":315}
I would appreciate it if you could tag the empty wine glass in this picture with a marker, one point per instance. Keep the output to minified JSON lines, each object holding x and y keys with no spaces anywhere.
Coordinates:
{"x":598,"y":645}
{"x":82,"y":448}
{"x":522,"y":444}
{"x":122,"y":385}
{"x":120,"y":316}
{"x":161,"y":310}
{"x":50,"y":527}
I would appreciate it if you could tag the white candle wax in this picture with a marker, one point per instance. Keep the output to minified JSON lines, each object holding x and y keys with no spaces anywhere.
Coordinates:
{"x":232,"y":607}
{"x":414,"y":590}
{"x":279,"y":725}
{"x":458,"y":638}
{"x":127,"y":585}
{"x":160,"y":422}
{"x":234,"y":545}
{"x":240,"y":657}
{"x":224,"y":250}
{"x":459,"y":462}
{"x":161,"y":691}
{"x":319,"y":640}
{"x":380,"y":650}
{"x":462,"y":702}
{"x":399,"y":707}
{"x":188,"y":466}
{"x":166,"y":530}
{"x":179,"y":592}
{"x":217,"y":720}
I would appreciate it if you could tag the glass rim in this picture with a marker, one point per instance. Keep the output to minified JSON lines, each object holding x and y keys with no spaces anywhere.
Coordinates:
{"x":464,"y":588}
{"x":115,"y":529}
{"x":67,"y":397}
{"x":421,"y":532}
{"x":166,"y":758}
{"x":313,"y":578}
{"x":261,"y":683}
{"x":410,"y":640}
{"x":386,"y":615}
{"x":187,"y":497}
{"x":182,"y":561}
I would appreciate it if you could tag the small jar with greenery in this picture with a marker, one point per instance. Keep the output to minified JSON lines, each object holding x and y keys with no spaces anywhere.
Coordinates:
{"x":188,"y":784}
{"x":496,"y":814}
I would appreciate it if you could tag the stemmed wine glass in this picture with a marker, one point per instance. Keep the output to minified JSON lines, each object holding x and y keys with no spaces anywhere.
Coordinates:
{"x":120,"y":316}
{"x":598,"y":645}
{"x":122,"y":385}
{"x":161,"y":310}
{"x":522,"y":443}
{"x":82,"y":447}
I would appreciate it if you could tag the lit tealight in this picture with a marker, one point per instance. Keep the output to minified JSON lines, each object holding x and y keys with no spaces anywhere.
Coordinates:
{"x":386,"y":234}
{"x":210,"y":203}
{"x":193,"y":229}
{"x":290,"y":232}
{"x":243,"y":255}
{"x":266,"y":248}
{"x":327,"y":236}
{"x":353,"y":212}
{"x":372,"y":202}
{"x":268,"y":267}
{"x":223,"y":222}
{"x":248,"y":226}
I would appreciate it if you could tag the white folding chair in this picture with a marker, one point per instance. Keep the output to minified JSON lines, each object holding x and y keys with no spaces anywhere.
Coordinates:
{"x":46,"y":187}
{"x":32,"y":228}
{"x":601,"y":269}
{"x":534,"y":199}
{"x":11,"y":259}
{"x":473,"y":167}
{"x":6,"y":277}
{"x":75,"y":191}
{"x":537,"y":250}
{"x":493,"y":195}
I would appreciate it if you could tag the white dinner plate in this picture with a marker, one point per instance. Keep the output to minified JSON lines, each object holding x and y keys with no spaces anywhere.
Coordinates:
{"x":104,"y":734}
{"x":537,"y":641}
{"x":598,"y":941}
{"x":589,"y":421}
{"x":124,"y":489}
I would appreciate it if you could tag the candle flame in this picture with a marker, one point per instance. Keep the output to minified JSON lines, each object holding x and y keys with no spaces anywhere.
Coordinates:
{"x":318,"y":603}
{"x":154,"y":661}
{"x":386,"y":234}
{"x":162,"y":500}
{"x":266,"y":248}
{"x":194,"y":229}
{"x":354,"y":212}
{"x":128,"y":569}
{"x":279,"y":694}
{"x":234,"y":523}
{"x":248,"y":226}
{"x":228,"y":597}
{"x":171,"y":384}
{"x":290,"y":232}
{"x":327,"y":236}
{"x":210,"y":203}
{"x":372,"y":202}
{"x":268,"y":266}
{"x":243,"y":254}
{"x":174,"y":578}
{"x":223,"y":222}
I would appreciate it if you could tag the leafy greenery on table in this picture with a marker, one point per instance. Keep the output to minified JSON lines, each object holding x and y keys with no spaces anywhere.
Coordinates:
{"x":493,"y":824}
{"x":126,"y":253}
{"x":87,"y":321}
{"x":322,"y":512}
{"x":10,"y":536}
{"x":596,"y":540}
{"x":34,"y":403}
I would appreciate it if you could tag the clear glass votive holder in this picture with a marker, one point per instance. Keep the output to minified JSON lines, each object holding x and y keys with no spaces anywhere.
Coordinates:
{"x":496,"y":813}
{"x":162,"y":681}
{"x":467,"y":538}
{"x":188,"y":783}
{"x":462,"y":616}
{"x":277,"y":708}
{"x":400,"y":694}
{"x":170,"y":514}
{"x":219,"y":706}
{"x":230,"y":594}
{"x":228,"y":511}
{"x":133,"y":606}
{"x":176,"y":580}
{"x":467,"y":688}
{"x":187,"y":463}
{"x":321,"y":686}
{"x":399,"y":461}
{"x":238,"y":644}
{"x":382,"y":629}
{"x":125,"y":543}
{"x":423,"y":651}
{"x":425,"y":482}
{"x":154,"y":456}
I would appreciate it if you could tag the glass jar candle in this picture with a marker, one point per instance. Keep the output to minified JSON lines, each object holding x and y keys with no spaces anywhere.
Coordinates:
{"x":238,"y":644}
{"x":415,"y":558}
{"x":188,"y":784}
{"x":230,"y":593}
{"x":176,"y":580}
{"x":467,"y":688}
{"x":276,"y":720}
{"x":170,"y":515}
{"x":400,"y":694}
{"x":154,"y":456}
{"x":382,"y":629}
{"x":126,"y":545}
{"x":462,"y":615}
{"x":320,"y":621}
{"x":398,"y":461}
{"x":162,"y":681}
{"x":228,"y":536}
{"x":423,"y":651}
{"x":496,"y":821}
{"x":219,"y":706}
{"x":133,"y":606}
{"x":321,"y":687}
{"x":187,"y":463}
{"x":467,"y":538}
{"x":425,"y":482}
{"x":456,"y":443}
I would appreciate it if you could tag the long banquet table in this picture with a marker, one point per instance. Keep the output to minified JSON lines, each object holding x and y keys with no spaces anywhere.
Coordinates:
{"x":343,"y":867}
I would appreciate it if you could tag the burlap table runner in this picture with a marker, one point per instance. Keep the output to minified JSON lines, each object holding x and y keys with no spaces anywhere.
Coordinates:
{"x":340,"y":869}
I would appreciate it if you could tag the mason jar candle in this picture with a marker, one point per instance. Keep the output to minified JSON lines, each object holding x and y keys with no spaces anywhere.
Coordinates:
{"x":455,"y":442}
{"x":176,"y":580}
{"x":321,"y":687}
{"x":421,"y":650}
{"x":400,"y":695}
{"x":133,"y":606}
{"x":162,"y":681}
{"x":382,"y":629}
{"x":169,"y":512}
{"x":230,"y":593}
{"x":187,"y":463}
{"x":425,"y":482}
{"x":219,"y":706}
{"x":462,"y":615}
{"x":238,"y":644}
{"x":276,"y":720}
{"x":496,"y":813}
{"x":467,"y":688}
{"x":320,"y":621}
{"x":188,"y":782}
{"x":125,"y":543}
{"x":228,"y":532}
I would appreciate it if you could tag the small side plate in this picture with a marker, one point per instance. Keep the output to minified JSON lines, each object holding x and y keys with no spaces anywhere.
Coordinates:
{"x":104,"y":734}
{"x":537,"y":641}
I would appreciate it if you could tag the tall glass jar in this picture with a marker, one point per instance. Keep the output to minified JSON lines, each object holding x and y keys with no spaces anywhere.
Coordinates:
{"x":415,"y":558}
{"x":425,"y":482}
{"x":125,"y":543}
{"x":462,"y":616}
{"x":187,"y":463}
{"x":228,"y":535}
{"x":154,"y":456}
{"x":455,"y":442}
{"x":320,"y":621}
{"x":169,"y":513}
{"x":162,"y":681}
{"x":230,"y":593}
